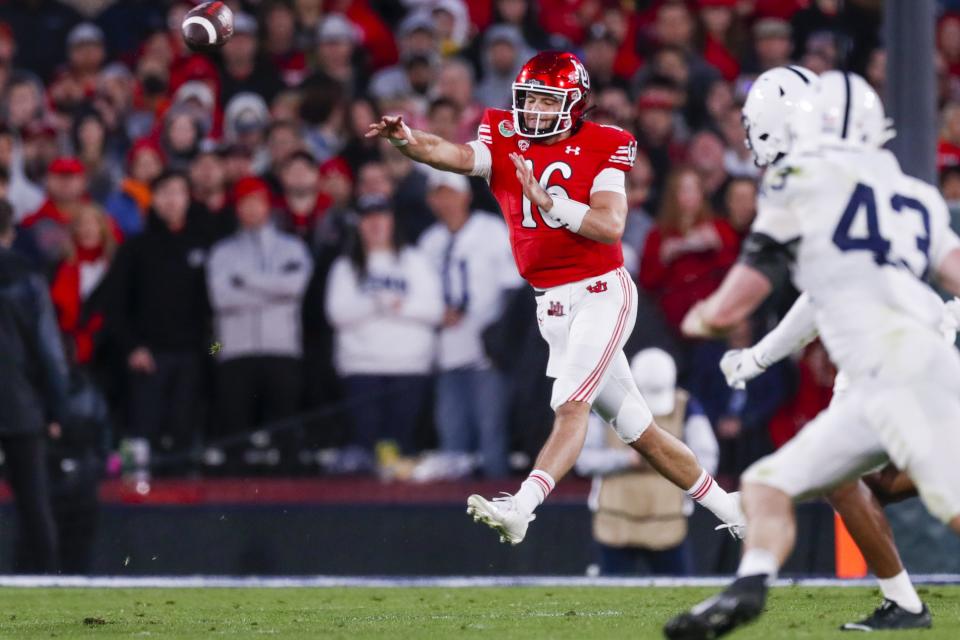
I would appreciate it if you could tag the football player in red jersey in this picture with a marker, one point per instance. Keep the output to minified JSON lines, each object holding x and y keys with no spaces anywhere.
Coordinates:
{"x":559,"y":180}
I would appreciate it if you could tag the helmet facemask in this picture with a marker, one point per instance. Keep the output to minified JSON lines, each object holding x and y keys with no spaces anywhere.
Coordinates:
{"x":562,"y":118}
{"x":779,"y":114}
{"x":767,"y":147}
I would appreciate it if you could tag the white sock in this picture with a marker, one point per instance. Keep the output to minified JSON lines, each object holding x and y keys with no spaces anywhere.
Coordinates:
{"x":534,"y":490}
{"x":900,"y":590}
{"x":757,"y":562}
{"x":709,"y":494}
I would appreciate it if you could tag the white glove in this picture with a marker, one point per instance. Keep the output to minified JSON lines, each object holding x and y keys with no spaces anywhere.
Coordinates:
{"x":740,"y":366}
{"x":950,"y":322}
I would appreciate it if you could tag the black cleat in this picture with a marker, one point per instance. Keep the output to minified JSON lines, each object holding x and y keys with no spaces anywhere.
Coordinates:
{"x":737,"y":605}
{"x":889,"y":616}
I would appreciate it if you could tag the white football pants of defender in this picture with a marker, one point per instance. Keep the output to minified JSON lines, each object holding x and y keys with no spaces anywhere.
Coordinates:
{"x":586,"y":324}
{"x":905,"y":413}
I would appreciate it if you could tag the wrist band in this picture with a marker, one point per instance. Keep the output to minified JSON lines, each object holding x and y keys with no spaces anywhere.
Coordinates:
{"x":569,"y":212}
{"x":398,"y":143}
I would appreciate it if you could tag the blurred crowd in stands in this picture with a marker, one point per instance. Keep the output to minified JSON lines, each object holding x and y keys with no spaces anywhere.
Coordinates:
{"x":244,"y":282}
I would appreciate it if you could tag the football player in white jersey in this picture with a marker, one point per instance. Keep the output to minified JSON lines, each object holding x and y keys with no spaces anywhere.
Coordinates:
{"x":860,"y":238}
{"x":855,"y":501}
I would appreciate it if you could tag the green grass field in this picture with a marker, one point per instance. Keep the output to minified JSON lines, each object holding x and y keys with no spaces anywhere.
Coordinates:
{"x":517,"y":612}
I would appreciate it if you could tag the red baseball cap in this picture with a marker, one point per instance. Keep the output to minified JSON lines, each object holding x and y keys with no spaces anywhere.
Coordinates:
{"x":249,"y":186}
{"x":66,"y":165}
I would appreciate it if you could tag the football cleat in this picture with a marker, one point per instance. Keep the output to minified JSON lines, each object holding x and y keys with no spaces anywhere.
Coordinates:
{"x":501,"y":515}
{"x":888,"y":616}
{"x":740,"y":603}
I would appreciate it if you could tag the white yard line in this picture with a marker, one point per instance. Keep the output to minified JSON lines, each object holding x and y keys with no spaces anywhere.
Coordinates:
{"x":163,"y":582}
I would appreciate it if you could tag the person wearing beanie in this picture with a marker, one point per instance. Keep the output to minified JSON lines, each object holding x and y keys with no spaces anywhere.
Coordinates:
{"x":256,"y":280}
{"x":128,"y":205}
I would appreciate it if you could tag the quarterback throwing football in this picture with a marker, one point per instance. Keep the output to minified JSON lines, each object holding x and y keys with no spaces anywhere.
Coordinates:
{"x":559,"y":180}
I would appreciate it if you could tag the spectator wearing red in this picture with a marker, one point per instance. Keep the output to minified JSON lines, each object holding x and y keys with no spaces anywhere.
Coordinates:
{"x":129,"y":204}
{"x":689,"y":251}
{"x":8,"y":50}
{"x":279,"y":22}
{"x":948,"y":42}
{"x":625,"y":26}
{"x":948,"y":147}
{"x":722,"y":39}
{"x":600,"y":55}
{"x":78,"y":278}
{"x":375,"y":35}
{"x":569,"y":18}
{"x":813,"y":394}
{"x":657,"y":130}
{"x":46,"y":232}
{"x":302,"y":203}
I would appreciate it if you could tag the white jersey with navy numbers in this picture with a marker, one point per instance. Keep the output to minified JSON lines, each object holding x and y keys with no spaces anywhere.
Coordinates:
{"x":866,"y":238}
{"x":476,"y":269}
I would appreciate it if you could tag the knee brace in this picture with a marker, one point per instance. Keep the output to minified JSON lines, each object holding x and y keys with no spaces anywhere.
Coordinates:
{"x":632,"y":418}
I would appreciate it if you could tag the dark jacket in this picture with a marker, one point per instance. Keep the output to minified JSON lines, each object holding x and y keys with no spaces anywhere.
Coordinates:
{"x":33,"y":369}
{"x":157,"y":290}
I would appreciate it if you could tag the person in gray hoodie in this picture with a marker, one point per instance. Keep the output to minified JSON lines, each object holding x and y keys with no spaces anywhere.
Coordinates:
{"x":256,"y":279}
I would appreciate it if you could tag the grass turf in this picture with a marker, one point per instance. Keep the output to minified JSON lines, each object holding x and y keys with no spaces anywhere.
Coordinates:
{"x":517,"y":612}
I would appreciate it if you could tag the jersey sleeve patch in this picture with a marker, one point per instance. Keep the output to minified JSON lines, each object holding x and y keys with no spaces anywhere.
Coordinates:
{"x":625,"y":155}
{"x":484,"y":131}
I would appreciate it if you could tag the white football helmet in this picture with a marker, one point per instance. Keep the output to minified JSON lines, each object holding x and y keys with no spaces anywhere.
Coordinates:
{"x":851,"y":111}
{"x":779,"y":110}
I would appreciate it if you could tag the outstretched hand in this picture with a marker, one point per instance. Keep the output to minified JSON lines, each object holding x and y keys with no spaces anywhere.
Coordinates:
{"x":392,"y":128}
{"x":531,"y":187}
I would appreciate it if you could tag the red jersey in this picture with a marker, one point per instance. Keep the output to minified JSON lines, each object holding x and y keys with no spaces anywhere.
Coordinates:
{"x":546,"y":255}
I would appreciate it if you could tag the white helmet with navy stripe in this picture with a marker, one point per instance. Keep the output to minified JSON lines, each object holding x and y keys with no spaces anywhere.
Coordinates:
{"x":851,"y":111}
{"x":779,"y":105}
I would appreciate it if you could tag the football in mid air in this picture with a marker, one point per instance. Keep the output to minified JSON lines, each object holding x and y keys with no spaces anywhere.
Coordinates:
{"x":207,"y":26}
